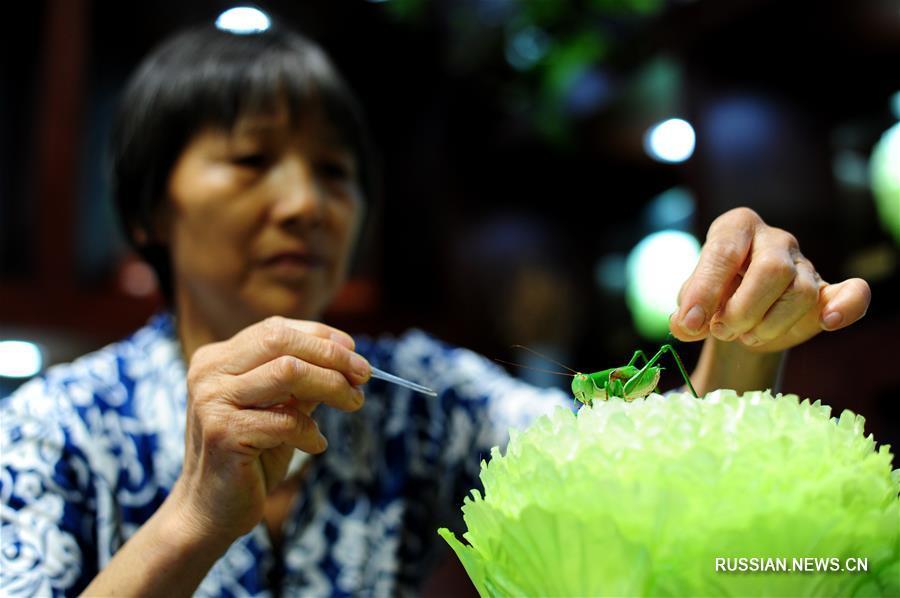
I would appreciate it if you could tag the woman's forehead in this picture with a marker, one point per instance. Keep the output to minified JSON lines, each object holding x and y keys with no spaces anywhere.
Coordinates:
{"x":279,"y":121}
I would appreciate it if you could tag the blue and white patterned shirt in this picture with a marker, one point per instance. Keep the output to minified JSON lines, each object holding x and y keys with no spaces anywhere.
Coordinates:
{"x":90,"y":450}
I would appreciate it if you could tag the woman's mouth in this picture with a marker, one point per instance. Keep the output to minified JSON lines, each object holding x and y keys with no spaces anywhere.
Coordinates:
{"x":293,"y":263}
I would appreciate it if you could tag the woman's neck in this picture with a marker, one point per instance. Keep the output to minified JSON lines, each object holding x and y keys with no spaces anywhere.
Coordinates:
{"x":196,"y":327}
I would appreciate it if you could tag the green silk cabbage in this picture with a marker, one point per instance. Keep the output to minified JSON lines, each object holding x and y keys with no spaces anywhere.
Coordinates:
{"x":642,"y":497}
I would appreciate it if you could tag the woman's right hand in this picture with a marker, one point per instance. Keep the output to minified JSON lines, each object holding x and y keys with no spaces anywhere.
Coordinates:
{"x":250,"y":400}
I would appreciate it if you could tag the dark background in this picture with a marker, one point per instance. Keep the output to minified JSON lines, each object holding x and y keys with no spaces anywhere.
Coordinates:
{"x":503,"y":187}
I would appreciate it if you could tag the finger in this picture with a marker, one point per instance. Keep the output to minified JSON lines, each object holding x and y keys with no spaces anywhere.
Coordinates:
{"x":309,"y":327}
{"x":252,"y":431}
{"x":681,"y":333}
{"x":721,"y":261}
{"x":308,"y":341}
{"x":848,"y":299}
{"x":798,"y":299}
{"x":770,"y":272}
{"x":844,"y":303}
{"x":321,"y":330}
{"x":287,"y":377}
{"x":239,"y":352}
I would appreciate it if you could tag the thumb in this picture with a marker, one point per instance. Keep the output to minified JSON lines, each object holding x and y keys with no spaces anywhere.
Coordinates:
{"x":843,"y":303}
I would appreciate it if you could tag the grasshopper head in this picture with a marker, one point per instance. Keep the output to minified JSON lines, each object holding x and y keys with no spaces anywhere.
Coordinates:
{"x":583,"y":388}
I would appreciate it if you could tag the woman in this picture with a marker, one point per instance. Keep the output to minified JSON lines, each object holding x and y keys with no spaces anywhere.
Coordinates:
{"x":163,"y":464}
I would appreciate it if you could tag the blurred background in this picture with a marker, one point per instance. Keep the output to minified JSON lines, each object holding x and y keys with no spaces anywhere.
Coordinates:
{"x":549,"y":169}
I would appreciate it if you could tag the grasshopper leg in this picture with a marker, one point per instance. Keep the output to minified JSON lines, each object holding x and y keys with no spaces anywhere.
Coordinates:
{"x":684,"y":375}
{"x":637,"y":354}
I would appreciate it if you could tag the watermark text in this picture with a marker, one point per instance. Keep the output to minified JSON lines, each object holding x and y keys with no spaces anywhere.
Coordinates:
{"x":755,"y":564}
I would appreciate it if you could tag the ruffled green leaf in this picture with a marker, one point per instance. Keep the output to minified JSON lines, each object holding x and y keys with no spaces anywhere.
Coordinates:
{"x":641,"y":497}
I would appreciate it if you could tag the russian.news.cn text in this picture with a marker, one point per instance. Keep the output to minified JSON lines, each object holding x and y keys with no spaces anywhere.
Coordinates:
{"x":791,"y":565}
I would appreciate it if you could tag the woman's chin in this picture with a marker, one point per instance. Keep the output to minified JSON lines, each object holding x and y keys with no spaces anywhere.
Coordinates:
{"x":290,"y":303}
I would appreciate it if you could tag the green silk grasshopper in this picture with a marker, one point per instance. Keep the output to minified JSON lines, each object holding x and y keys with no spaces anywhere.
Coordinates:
{"x":629,"y":381}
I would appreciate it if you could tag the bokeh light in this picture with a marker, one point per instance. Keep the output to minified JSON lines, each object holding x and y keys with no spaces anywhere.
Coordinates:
{"x":885,"y":172}
{"x":655,"y":271}
{"x":20,"y":359}
{"x":670,"y":141}
{"x":526,"y":47}
{"x":672,"y":209}
{"x":609,"y":272}
{"x":851,"y":169}
{"x":243,"y":20}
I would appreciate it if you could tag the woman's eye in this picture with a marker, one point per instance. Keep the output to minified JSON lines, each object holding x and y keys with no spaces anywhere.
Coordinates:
{"x":335,"y":171}
{"x":257,"y":160}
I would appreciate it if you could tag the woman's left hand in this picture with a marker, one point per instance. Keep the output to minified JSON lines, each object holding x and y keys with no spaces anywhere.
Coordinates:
{"x":752,"y":285}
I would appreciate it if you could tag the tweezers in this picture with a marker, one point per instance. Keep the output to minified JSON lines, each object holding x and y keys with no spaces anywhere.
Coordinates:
{"x":382,"y":375}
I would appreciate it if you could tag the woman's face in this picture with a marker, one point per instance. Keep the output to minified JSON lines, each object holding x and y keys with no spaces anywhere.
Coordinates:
{"x":261,"y":220}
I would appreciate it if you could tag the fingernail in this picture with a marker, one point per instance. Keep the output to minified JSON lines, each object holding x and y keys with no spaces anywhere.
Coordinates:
{"x":694,"y":318}
{"x":750,"y":340}
{"x":360,"y":366}
{"x":832,"y":320}
{"x":343,"y":340}
{"x":722,"y":332}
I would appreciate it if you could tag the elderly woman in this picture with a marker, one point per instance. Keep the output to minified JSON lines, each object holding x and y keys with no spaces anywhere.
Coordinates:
{"x":167,"y":463}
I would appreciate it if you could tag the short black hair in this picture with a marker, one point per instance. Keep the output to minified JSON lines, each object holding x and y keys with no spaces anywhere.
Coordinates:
{"x":204,"y":77}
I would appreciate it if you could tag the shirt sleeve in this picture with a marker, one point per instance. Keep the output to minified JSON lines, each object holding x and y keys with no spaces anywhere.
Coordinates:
{"x":44,"y":487}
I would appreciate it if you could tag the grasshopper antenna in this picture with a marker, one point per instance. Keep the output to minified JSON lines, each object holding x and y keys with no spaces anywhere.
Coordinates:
{"x":542,"y":356}
{"x":528,"y":367}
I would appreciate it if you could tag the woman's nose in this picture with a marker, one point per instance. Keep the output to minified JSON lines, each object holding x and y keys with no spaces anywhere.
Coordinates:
{"x":296,"y":193}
